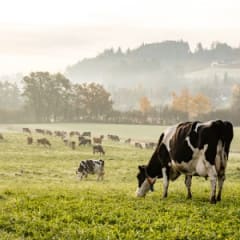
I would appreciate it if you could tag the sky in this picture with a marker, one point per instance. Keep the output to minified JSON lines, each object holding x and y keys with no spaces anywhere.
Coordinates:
{"x":49,"y":35}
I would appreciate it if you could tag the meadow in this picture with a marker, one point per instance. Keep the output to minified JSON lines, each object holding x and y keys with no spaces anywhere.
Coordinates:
{"x":42,"y":198}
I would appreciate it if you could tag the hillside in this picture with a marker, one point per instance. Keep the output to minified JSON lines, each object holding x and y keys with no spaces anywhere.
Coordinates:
{"x":158,"y":69}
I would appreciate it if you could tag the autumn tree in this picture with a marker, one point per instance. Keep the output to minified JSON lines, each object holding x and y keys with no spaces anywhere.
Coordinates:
{"x":145,"y":104}
{"x":193,"y":105}
{"x":182,"y":102}
{"x":200,"y":104}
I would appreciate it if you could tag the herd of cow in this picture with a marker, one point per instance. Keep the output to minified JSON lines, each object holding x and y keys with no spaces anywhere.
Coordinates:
{"x":189,"y":148}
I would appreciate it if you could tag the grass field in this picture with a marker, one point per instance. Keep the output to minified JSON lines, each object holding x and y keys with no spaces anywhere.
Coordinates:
{"x":41,"y":197}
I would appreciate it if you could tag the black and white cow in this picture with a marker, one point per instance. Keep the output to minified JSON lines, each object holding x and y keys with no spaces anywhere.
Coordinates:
{"x":192,"y":149}
{"x":91,"y":167}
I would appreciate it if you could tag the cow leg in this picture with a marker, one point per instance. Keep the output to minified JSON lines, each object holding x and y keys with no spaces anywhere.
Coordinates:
{"x":221,"y":180}
{"x":188,"y":183}
{"x":165,"y":182}
{"x":212,"y":173}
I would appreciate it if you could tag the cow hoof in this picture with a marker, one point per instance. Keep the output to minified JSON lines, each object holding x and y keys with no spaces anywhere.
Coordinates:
{"x":219,"y":198}
{"x":213,"y":201}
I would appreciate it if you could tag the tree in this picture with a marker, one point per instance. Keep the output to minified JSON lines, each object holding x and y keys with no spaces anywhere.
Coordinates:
{"x":200,"y":104}
{"x":47,"y":95}
{"x":145,"y":104}
{"x":10,"y":97}
{"x":182,"y":101}
{"x":91,"y":100}
{"x":193,"y":105}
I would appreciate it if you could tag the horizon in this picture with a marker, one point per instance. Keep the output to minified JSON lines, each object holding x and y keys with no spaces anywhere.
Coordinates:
{"x":73,"y":30}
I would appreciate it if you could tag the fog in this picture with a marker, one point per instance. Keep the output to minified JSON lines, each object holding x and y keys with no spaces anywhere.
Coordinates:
{"x":131,"y":51}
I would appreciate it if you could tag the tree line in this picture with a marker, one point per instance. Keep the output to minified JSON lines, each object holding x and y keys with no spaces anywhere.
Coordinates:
{"x":46,"y":97}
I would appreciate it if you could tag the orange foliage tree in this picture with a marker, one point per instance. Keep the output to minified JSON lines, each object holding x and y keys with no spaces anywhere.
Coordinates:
{"x":145,"y":104}
{"x":193,"y":105}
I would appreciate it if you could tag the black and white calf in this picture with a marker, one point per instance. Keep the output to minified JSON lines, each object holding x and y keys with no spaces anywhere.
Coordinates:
{"x":192,"y":149}
{"x":91,"y":167}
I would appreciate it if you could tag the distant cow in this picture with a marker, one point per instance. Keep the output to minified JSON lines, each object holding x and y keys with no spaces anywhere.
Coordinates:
{"x":98,"y":149}
{"x":1,"y":137}
{"x":128,"y":140}
{"x":192,"y":149}
{"x":91,"y":167}
{"x":138,"y":145}
{"x":86,"y":134}
{"x":44,"y":142}
{"x":26,"y":130}
{"x":114,"y":138}
{"x":72,"y":133}
{"x":84,"y":142}
{"x":29,"y":140}
{"x":150,"y":145}
{"x":48,"y":132}
{"x":39,"y":131}
{"x":61,"y":134}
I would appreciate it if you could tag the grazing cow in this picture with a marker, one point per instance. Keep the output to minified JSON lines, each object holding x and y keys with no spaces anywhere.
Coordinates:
{"x":26,"y":130}
{"x":114,"y":138}
{"x":29,"y":140}
{"x":1,"y":137}
{"x":71,"y":134}
{"x":44,"y":142}
{"x":192,"y":149}
{"x":84,"y":142}
{"x":98,"y":149}
{"x":48,"y":132}
{"x":91,"y":167}
{"x":39,"y":131}
{"x":138,"y":145}
{"x":150,"y":145}
{"x":86,"y":134}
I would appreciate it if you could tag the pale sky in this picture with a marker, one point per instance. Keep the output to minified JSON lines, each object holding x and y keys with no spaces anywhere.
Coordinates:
{"x":48,"y":35}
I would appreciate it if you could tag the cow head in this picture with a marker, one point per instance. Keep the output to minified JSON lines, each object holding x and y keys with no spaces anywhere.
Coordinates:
{"x":145,"y":182}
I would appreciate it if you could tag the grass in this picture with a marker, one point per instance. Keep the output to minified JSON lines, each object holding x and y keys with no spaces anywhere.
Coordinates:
{"x":41,"y":197}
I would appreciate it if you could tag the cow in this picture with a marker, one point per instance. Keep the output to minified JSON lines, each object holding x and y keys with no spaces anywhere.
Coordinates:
{"x":150,"y":145}
{"x":26,"y":130}
{"x":44,"y":142}
{"x":193,"y":149}
{"x":128,"y":140}
{"x":138,"y":145}
{"x":39,"y":131}
{"x":84,"y":142}
{"x":114,"y":138}
{"x":91,"y":167}
{"x":48,"y":132}
{"x":86,"y":134}
{"x":1,"y":137}
{"x":98,"y":149}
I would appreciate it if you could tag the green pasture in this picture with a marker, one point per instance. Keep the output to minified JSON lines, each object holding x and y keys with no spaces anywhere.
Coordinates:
{"x":41,"y":197}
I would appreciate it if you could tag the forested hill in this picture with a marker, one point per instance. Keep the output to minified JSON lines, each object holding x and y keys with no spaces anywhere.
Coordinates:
{"x":153,"y":63}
